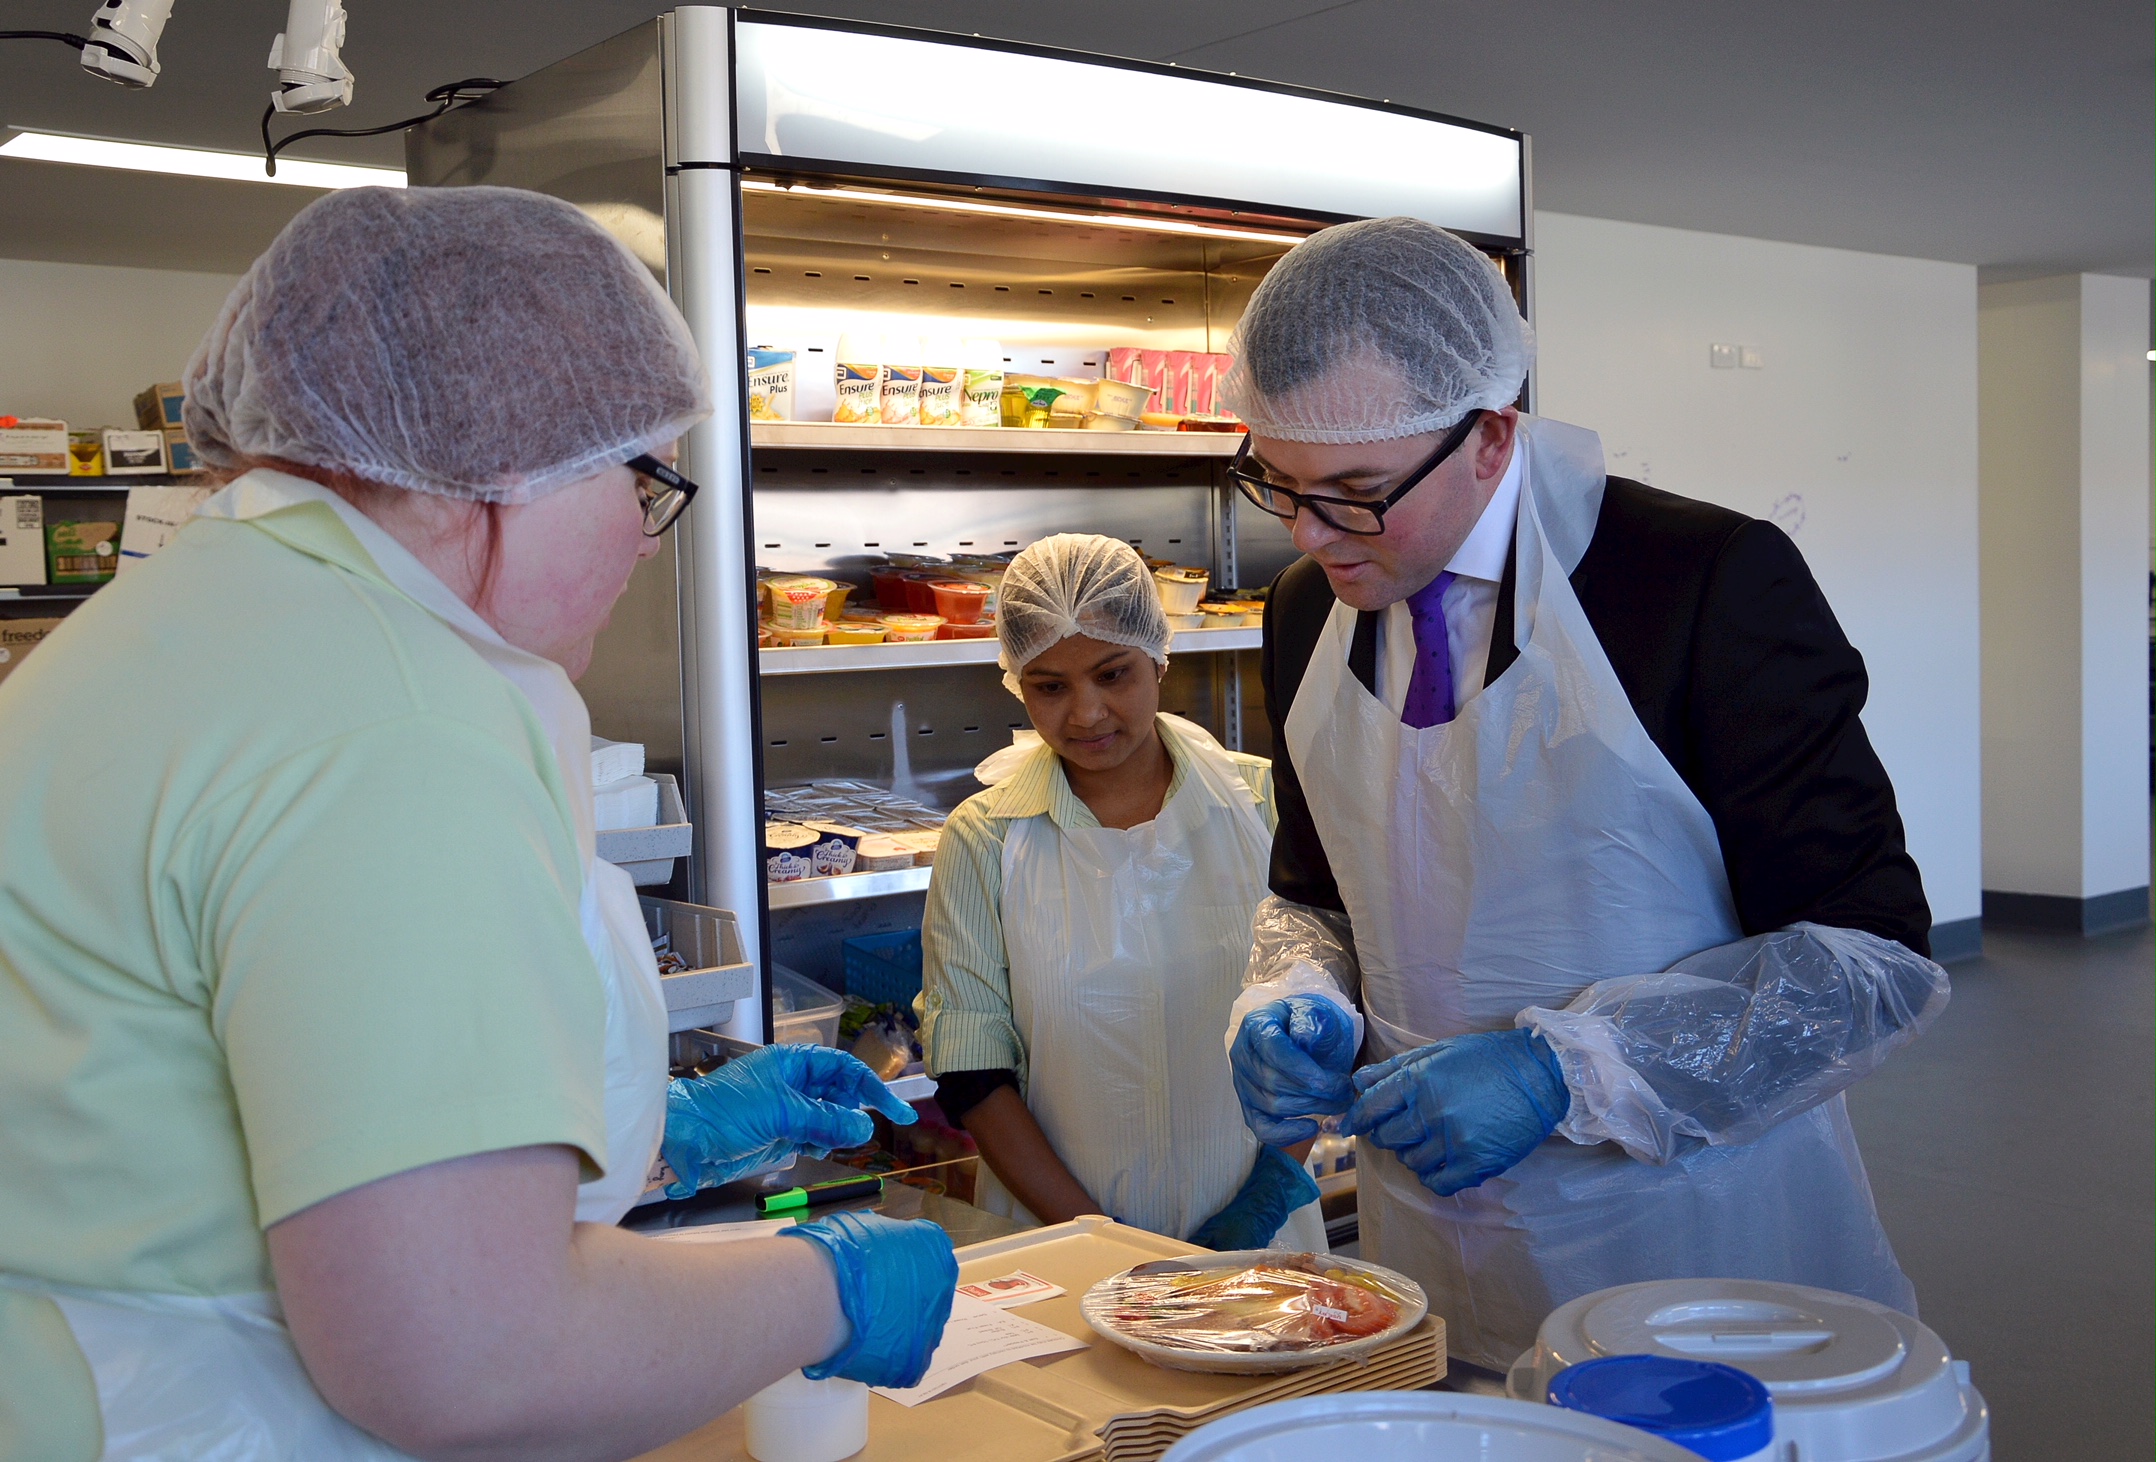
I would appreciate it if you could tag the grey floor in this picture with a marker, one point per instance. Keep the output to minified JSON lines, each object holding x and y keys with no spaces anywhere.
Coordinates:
{"x":2009,"y":1152}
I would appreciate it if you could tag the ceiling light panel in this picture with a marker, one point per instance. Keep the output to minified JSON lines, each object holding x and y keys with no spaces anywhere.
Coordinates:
{"x":238,"y":167}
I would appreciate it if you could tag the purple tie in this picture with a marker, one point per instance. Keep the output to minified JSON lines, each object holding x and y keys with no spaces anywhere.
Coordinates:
{"x":1429,"y":690}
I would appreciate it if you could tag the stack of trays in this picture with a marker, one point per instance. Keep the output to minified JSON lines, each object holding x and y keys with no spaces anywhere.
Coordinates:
{"x":1414,"y":1361}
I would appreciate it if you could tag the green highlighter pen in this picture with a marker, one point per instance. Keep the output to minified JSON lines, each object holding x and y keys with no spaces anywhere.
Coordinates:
{"x":836,"y":1191}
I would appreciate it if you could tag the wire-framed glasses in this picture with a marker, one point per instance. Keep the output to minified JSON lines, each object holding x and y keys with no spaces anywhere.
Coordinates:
{"x":1365,"y":519}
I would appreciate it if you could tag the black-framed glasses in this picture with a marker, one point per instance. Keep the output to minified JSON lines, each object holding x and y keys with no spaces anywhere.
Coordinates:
{"x":663,"y":491}
{"x":1366,"y":519}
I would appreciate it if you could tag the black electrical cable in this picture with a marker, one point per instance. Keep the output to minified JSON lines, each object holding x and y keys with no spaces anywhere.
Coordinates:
{"x":443,"y":97}
{"x":65,"y":38}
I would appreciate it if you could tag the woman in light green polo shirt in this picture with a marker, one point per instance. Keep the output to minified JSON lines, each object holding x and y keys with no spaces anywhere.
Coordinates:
{"x":329,"y":1053}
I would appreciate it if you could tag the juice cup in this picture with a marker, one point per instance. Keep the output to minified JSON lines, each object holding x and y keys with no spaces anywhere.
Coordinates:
{"x":960,"y":601}
{"x":903,"y":628}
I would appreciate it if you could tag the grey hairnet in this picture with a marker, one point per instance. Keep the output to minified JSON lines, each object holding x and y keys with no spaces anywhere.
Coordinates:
{"x":1077,"y":584}
{"x":1390,"y":327}
{"x":478,"y":343}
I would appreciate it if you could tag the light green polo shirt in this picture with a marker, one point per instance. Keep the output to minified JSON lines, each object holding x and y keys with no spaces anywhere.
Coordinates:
{"x":965,"y":1000}
{"x":288,"y":903}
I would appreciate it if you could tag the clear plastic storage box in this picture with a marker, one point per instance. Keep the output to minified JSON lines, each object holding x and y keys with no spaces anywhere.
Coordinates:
{"x":802,"y":1011}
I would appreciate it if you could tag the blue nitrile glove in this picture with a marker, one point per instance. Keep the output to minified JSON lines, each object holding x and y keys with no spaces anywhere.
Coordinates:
{"x":1291,"y":1061}
{"x":766,"y":1106}
{"x":895,"y":1284}
{"x":1461,"y":1111}
{"x":1276,"y":1187}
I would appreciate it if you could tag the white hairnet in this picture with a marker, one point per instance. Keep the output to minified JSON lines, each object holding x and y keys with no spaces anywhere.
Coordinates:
{"x":1389,"y":327}
{"x":1077,"y":584}
{"x":480,"y":343}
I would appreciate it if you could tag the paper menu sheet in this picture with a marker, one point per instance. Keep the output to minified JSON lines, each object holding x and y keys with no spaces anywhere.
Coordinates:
{"x":977,"y":1339}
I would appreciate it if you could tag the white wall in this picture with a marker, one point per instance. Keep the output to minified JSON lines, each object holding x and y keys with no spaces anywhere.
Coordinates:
{"x":2030,"y":346}
{"x":2114,"y":593}
{"x":1857,"y":436}
{"x":77,"y":341}
{"x":2065,"y":511}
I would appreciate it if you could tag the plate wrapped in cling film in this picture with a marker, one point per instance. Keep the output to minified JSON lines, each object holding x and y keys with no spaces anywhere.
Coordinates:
{"x":1286,"y":1302}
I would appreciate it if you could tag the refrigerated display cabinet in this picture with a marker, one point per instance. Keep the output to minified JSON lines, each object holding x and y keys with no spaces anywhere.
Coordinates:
{"x":789,"y":179}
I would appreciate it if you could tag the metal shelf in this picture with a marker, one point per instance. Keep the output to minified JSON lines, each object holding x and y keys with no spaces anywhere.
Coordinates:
{"x":33,"y":593}
{"x":846,"y":886}
{"x":919,"y":654}
{"x":60,"y":484}
{"x":831,"y":434}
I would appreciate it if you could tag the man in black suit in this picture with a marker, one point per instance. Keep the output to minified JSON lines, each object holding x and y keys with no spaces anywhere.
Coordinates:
{"x":1590,"y":894}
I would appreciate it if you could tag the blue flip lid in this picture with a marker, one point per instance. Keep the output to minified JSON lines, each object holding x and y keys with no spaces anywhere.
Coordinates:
{"x":1715,"y":1410}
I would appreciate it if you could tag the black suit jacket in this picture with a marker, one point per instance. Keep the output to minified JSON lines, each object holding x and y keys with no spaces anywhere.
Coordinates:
{"x":1739,"y":673}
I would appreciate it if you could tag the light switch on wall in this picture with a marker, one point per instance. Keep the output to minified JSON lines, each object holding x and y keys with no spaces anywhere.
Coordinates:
{"x":1722,"y":357}
{"x":1752,"y":358}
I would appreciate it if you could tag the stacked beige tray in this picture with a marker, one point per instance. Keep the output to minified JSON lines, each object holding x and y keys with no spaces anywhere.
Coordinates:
{"x":1100,"y":1404}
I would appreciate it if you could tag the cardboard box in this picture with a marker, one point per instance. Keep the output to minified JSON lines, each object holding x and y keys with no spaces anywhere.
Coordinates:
{"x":134,"y":453}
{"x":18,"y":637}
{"x":31,"y":445}
{"x":86,"y":454}
{"x":154,"y":514}
{"x":158,"y":407}
{"x":82,"y":553}
{"x":180,"y":455}
{"x":22,"y":540}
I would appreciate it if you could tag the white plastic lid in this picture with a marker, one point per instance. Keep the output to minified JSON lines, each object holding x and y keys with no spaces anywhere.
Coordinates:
{"x":1852,"y":1380}
{"x":1419,"y":1426}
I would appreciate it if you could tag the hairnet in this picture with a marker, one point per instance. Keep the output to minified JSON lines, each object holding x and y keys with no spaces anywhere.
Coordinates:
{"x":482,"y":343}
{"x":1390,"y":327}
{"x":1077,"y":584}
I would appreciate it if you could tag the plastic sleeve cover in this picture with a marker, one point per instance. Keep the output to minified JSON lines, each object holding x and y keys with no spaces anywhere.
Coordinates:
{"x":1735,"y":1039}
{"x":1298,"y":950}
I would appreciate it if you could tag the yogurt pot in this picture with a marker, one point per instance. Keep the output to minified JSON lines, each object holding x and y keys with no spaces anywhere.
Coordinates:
{"x":960,"y":601}
{"x":801,"y":639}
{"x":1180,"y":588}
{"x":835,"y":602}
{"x":852,"y":631}
{"x":1186,"y":621}
{"x":788,"y":855}
{"x":798,"y":603}
{"x":833,"y":852}
{"x":880,"y":853}
{"x":1121,"y":398}
{"x":903,"y":628}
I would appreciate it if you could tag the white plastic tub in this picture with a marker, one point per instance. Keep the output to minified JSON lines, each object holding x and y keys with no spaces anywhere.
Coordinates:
{"x":1418,"y":1426}
{"x":1852,"y":1380}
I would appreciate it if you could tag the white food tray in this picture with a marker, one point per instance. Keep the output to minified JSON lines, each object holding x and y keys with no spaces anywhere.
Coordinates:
{"x":648,"y":853}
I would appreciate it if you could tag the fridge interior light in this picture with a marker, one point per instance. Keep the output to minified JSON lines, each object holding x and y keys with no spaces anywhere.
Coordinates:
{"x":241,"y":167}
{"x":1011,"y":210}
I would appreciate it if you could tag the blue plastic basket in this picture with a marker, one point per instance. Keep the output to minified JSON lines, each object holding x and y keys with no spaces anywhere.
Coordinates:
{"x":884,"y":969}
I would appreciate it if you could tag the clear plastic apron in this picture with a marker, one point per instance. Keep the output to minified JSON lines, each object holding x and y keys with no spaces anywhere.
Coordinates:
{"x":1539,"y":842}
{"x":216,"y":1379}
{"x":1126,"y":947}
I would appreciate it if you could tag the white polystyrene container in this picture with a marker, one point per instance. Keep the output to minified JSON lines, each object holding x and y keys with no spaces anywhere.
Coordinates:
{"x":1852,"y":1380}
{"x":795,"y":1419}
{"x":1418,"y":1426}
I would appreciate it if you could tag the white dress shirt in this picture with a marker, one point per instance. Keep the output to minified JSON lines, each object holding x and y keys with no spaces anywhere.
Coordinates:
{"x":1470,"y":603}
